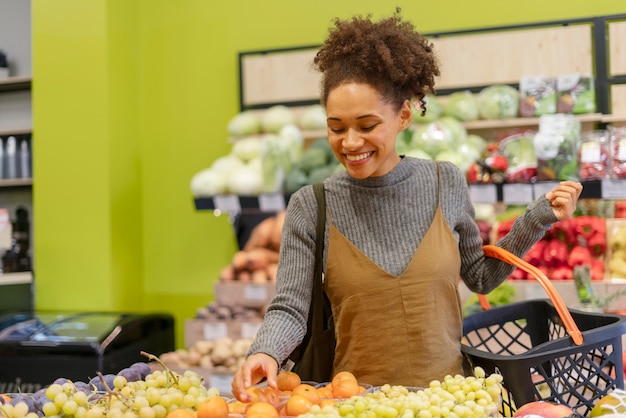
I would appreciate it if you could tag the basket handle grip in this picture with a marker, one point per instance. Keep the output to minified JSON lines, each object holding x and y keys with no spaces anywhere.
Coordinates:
{"x":566,"y":317}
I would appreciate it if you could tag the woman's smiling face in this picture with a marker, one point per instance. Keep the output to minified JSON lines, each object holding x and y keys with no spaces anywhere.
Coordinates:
{"x":362,"y":129}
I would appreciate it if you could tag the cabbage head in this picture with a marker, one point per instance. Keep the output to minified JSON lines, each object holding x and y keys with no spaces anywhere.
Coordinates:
{"x":456,"y":126}
{"x":462,"y":106}
{"x":313,"y":118}
{"x":499,"y":101}
{"x":276,"y":117}
{"x":433,"y":138}
{"x":244,"y":123}
{"x":434,"y":110}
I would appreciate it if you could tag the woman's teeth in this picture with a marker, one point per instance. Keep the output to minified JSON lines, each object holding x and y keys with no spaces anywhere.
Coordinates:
{"x":358,"y":157}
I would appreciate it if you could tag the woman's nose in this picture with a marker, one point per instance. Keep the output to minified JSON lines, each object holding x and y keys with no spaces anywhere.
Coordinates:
{"x":352,"y":139}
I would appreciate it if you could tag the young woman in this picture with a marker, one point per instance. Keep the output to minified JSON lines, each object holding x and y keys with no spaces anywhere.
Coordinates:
{"x":400,"y":231}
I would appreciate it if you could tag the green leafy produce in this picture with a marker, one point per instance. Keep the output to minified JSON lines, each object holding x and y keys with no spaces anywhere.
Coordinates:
{"x":313,"y":118}
{"x":434,"y":110}
{"x":321,"y":173}
{"x":498,"y":102}
{"x":500,"y":296}
{"x":461,"y":105}
{"x":433,"y":138}
{"x":294,"y":180}
{"x":312,"y":158}
{"x":274,"y":118}
{"x":244,"y":123}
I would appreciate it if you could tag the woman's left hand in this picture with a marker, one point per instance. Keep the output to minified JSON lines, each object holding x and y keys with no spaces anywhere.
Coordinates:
{"x":563,"y":198}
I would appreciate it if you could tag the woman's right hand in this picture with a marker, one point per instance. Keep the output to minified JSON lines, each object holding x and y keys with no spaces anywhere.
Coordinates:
{"x":252,"y":371}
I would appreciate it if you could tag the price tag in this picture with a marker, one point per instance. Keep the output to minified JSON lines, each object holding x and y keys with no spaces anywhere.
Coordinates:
{"x":613,"y":189}
{"x":214,"y":330}
{"x":249,"y":329}
{"x":517,"y":193}
{"x":255,"y":293}
{"x":534,"y":291}
{"x":227,"y":203}
{"x":272,"y":202}
{"x":543,"y":187}
{"x":483,"y":193}
{"x":221,"y":382}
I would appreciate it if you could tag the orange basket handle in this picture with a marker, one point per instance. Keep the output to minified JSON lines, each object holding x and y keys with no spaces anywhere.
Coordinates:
{"x":561,"y":308}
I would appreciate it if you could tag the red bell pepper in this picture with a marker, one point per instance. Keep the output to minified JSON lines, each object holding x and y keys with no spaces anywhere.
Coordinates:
{"x":534,"y":255}
{"x":597,"y":244}
{"x":586,"y":226}
{"x":579,"y":256}
{"x":555,"y":253}
{"x":562,"y":273}
{"x":565,"y":231}
{"x":597,"y":269}
{"x":518,"y":274}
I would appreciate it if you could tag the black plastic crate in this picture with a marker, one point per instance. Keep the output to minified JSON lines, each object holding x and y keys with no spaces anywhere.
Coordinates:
{"x":37,"y":348}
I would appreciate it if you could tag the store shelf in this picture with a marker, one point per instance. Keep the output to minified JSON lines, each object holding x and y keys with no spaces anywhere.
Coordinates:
{"x":15,"y":84}
{"x":510,"y":193}
{"x":18,"y":131}
{"x":27,"y":182}
{"x":23,"y":277}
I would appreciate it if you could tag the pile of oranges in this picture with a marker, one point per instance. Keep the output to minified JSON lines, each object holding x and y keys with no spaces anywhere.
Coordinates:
{"x":292,"y":397}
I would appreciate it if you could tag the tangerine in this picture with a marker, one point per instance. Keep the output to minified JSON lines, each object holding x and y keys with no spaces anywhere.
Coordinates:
{"x":215,"y":407}
{"x":298,"y":405}
{"x":287,"y":380}
{"x":346,"y":388}
{"x":181,"y":413}
{"x":261,"y":409}
{"x":308,"y":391}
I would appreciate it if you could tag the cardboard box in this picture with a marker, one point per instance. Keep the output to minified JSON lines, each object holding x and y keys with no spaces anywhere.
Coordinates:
{"x":250,"y":295}
{"x":204,"y":329}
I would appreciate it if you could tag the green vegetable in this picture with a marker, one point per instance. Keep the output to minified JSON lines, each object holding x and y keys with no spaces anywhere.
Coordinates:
{"x":462,"y":106}
{"x":500,"y":296}
{"x":244,"y":123}
{"x":275,"y":117}
{"x":498,"y":102}
{"x":294,"y":180}
{"x":313,"y":118}
{"x":321,"y":173}
{"x":434,"y":110}
{"x":312,"y":158}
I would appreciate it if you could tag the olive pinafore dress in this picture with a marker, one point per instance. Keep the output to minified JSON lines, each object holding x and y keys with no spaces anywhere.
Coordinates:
{"x":402,"y":330}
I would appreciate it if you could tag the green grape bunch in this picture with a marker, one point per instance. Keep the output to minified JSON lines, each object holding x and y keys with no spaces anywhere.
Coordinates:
{"x":134,"y":392}
{"x":455,"y":397}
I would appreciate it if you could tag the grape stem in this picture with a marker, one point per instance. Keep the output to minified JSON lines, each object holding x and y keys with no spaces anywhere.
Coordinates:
{"x":168,"y":372}
{"x":111,"y":393}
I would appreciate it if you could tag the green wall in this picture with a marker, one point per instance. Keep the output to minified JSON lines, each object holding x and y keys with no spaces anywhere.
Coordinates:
{"x":131,"y":98}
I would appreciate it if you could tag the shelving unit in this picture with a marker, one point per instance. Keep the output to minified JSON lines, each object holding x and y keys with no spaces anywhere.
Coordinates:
{"x":16,"y":102}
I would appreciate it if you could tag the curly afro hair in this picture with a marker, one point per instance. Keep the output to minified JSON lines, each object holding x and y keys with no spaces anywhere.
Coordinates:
{"x":389,"y":55}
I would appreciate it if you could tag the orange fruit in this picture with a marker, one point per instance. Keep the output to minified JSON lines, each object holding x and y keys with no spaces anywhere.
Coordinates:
{"x":287,"y":380}
{"x":237,"y":407}
{"x":325,"y":392}
{"x":261,"y":409}
{"x":327,"y":402}
{"x":307,"y":391}
{"x":215,"y":407}
{"x":298,"y":405}
{"x":346,"y":388}
{"x":341,"y":376}
{"x":181,"y":413}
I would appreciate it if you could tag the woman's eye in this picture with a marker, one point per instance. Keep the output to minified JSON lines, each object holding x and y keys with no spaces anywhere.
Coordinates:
{"x":336,"y":130}
{"x":368,"y":128}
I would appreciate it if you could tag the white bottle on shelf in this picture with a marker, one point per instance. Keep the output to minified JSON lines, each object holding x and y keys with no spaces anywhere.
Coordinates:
{"x":11,"y":158}
{"x":24,"y":160}
{"x":2,"y":164}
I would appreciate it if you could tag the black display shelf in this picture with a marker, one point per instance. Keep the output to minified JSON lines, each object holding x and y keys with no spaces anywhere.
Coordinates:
{"x":511,"y":193}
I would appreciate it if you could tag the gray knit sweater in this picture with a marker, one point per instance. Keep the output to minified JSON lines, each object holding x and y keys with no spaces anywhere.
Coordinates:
{"x":386,"y":218}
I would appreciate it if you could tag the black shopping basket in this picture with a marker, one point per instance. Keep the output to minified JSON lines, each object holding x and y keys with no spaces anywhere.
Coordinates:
{"x":545,"y":351}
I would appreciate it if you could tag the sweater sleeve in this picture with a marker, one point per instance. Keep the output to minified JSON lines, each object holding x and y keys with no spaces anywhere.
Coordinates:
{"x":482,"y":274}
{"x":284,"y":323}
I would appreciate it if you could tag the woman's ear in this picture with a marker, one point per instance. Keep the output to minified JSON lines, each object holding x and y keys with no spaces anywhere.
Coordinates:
{"x":406,"y":114}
